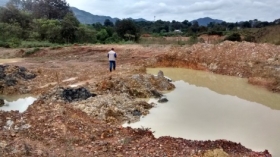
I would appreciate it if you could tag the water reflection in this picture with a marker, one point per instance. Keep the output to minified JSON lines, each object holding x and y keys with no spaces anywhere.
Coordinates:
{"x":222,"y":84}
{"x":17,"y":102}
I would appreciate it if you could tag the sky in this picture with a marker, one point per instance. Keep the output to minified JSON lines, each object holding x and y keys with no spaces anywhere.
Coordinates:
{"x":179,"y":10}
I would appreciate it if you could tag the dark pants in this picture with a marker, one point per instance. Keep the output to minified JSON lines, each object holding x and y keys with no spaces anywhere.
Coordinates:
{"x":112,"y":65}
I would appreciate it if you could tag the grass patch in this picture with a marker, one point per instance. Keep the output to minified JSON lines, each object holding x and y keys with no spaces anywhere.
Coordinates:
{"x":162,"y":41}
{"x":32,"y":51}
{"x":36,"y":44}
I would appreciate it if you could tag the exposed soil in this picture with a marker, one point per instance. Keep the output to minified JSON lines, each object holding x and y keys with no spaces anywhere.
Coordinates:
{"x":81,"y":105}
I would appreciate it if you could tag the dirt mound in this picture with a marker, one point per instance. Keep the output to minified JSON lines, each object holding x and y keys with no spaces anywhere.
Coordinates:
{"x":71,"y":94}
{"x":268,"y":34}
{"x":13,"y":76}
{"x":57,"y":129}
{"x":138,"y":85}
{"x":116,"y":99}
{"x":241,"y":59}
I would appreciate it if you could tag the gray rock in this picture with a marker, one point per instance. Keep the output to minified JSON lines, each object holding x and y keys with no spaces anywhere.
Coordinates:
{"x":160,"y":74}
{"x":2,"y":103}
{"x":162,"y":100}
{"x":156,"y":94}
{"x":136,"y":113}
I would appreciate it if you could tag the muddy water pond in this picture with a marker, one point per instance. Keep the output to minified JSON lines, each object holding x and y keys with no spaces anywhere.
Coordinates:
{"x":207,"y":106}
{"x":14,"y":60}
{"x":17,"y":102}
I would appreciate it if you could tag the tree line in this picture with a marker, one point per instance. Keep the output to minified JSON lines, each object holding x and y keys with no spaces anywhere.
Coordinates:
{"x":54,"y":22}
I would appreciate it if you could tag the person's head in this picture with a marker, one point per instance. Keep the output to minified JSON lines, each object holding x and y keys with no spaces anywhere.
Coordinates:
{"x":112,"y":49}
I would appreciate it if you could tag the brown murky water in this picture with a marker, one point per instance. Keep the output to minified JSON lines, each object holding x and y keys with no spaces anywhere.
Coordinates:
{"x":14,"y":60}
{"x":206,"y":106}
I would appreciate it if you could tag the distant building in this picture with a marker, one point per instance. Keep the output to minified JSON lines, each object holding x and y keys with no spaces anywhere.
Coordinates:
{"x":178,"y":31}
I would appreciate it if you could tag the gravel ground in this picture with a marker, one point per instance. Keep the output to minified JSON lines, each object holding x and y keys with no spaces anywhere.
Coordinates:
{"x":81,"y":105}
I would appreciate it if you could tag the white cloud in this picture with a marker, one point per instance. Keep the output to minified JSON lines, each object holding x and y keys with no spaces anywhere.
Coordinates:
{"x":228,"y":10}
{"x":162,"y":4}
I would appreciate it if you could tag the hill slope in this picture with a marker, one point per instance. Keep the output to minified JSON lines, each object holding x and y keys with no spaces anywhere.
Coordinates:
{"x":270,"y":34}
{"x":88,"y":18}
{"x":206,"y":20}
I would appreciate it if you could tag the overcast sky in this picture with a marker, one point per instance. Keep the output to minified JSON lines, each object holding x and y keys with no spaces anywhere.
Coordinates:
{"x":179,"y":10}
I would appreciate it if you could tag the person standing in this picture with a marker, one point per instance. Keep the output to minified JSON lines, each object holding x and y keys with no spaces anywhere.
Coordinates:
{"x":112,"y":55}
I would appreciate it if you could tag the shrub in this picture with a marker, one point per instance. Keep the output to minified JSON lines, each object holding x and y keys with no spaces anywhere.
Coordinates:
{"x":4,"y":44}
{"x":219,"y":33}
{"x":250,"y":38}
{"x":14,"y":42}
{"x":234,"y":37}
{"x":30,"y":52}
{"x":31,"y":44}
{"x":193,"y":40}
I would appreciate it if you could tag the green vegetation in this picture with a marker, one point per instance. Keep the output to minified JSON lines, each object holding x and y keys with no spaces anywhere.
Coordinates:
{"x":49,"y":23}
{"x":233,"y":37}
{"x":30,"y":52}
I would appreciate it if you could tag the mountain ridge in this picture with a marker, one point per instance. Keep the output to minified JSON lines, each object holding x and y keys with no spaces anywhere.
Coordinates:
{"x":206,"y":20}
{"x":86,"y":17}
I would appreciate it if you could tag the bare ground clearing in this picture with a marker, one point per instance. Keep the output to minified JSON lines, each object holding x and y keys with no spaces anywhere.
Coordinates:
{"x":53,"y":126}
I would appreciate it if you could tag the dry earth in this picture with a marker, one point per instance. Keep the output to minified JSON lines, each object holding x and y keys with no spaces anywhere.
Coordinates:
{"x":57,"y":126}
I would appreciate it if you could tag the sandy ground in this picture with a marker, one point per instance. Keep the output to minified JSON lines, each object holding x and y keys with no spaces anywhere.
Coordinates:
{"x":53,"y":127}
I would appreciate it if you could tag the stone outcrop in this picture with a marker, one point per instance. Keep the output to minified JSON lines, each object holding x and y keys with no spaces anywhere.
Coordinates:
{"x":138,"y":85}
{"x":10,"y":76}
{"x":2,"y":103}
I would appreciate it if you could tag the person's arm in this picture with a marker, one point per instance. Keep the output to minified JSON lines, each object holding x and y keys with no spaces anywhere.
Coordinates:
{"x":115,"y":55}
{"x":108,"y":55}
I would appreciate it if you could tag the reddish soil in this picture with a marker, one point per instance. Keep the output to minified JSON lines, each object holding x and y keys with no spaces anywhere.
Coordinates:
{"x":57,"y":128}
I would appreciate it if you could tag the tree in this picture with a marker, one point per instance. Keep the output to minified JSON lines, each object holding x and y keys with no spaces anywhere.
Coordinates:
{"x":108,"y":23}
{"x":231,"y":26}
{"x":9,"y":31}
{"x":127,"y":30}
{"x":186,"y":24}
{"x":113,"y":39}
{"x":98,"y":26}
{"x":50,"y":9}
{"x":49,"y":30}
{"x":102,"y":35}
{"x":159,"y":26}
{"x":11,"y":14}
{"x":85,"y":34}
{"x":246,"y":24}
{"x":10,"y":35}
{"x":195,"y":27}
{"x":175,"y":25}
{"x":70,"y":25}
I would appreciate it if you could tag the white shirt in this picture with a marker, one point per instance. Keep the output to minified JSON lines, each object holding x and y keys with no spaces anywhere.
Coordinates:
{"x":112,"y":55}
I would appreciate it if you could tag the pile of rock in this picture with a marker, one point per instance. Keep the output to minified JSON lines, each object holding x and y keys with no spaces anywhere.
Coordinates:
{"x":2,"y":103}
{"x":138,"y":85}
{"x":11,"y":75}
{"x":71,"y":94}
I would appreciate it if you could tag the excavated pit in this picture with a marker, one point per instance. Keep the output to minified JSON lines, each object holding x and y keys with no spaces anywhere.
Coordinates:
{"x":54,"y":126}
